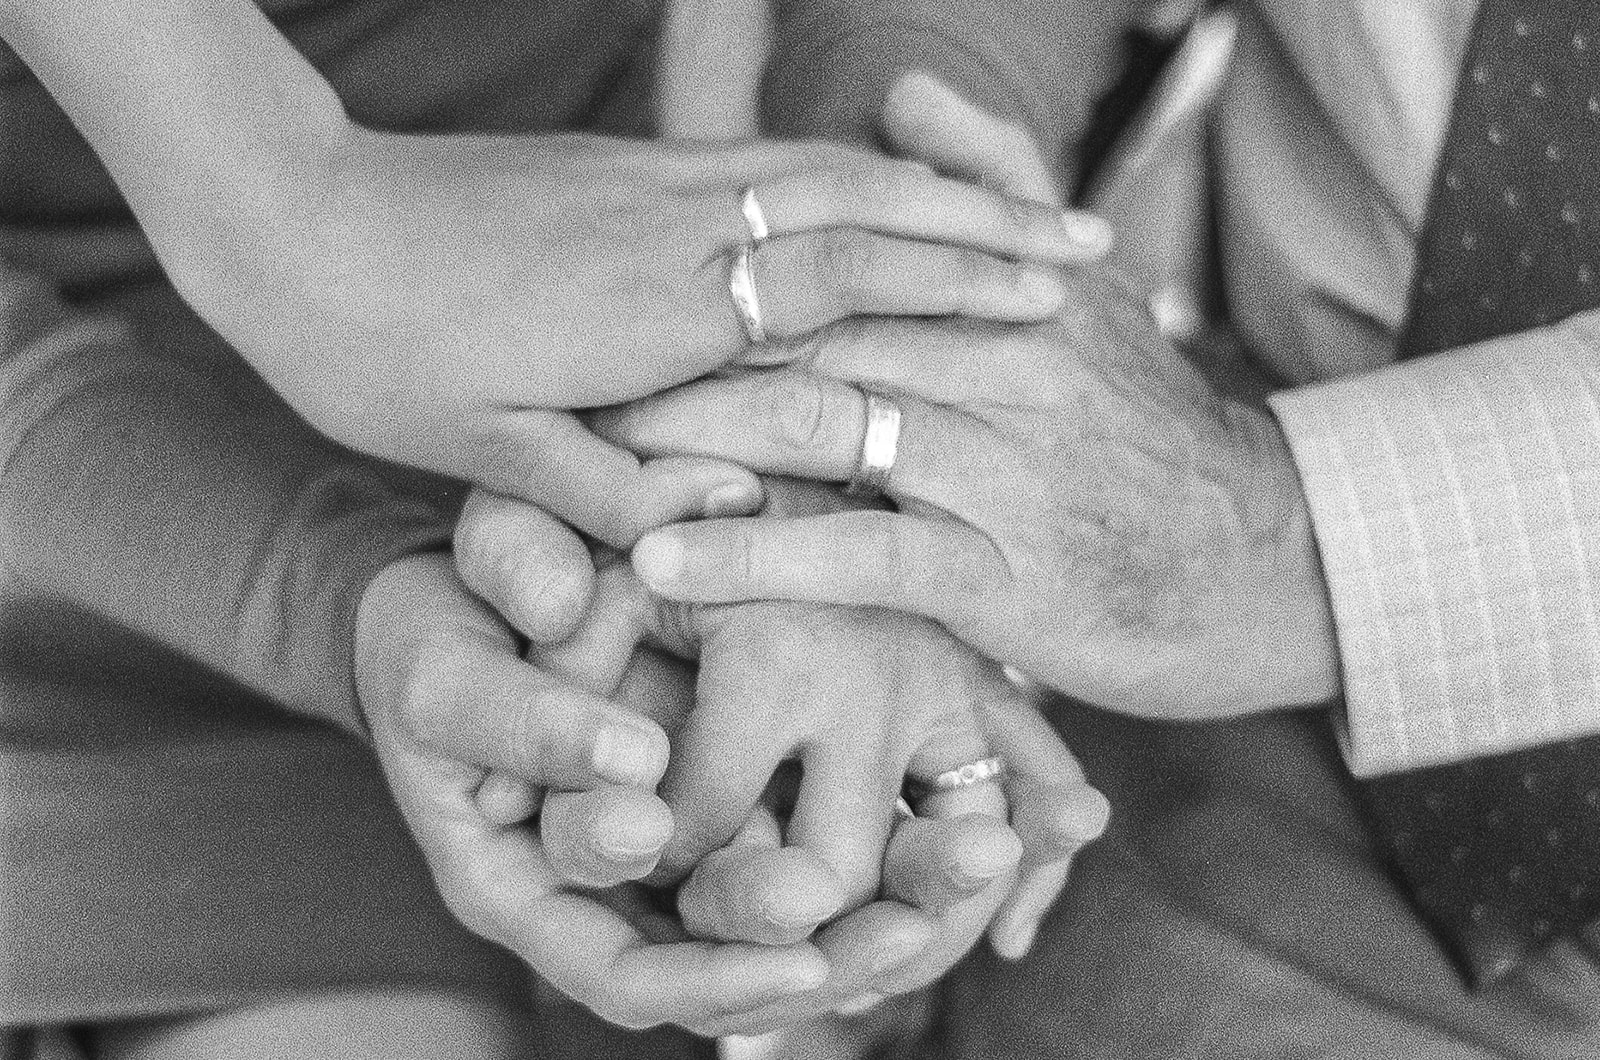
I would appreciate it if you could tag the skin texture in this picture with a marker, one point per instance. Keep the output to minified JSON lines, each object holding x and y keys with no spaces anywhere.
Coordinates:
{"x":464,"y":293}
{"x":863,"y":698}
{"x":1075,"y":499}
{"x":613,"y":949}
{"x":475,"y":743}
{"x":941,"y":886}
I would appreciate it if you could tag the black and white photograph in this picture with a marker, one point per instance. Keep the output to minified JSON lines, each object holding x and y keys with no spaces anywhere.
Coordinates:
{"x":799,"y":530}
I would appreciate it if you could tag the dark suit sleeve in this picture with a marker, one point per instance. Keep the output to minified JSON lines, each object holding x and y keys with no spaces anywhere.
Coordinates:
{"x":147,"y":476}
{"x":1038,"y":62}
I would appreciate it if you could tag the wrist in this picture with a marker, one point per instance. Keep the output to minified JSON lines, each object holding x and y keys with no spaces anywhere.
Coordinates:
{"x":1265,"y":639}
{"x":1295,"y":622}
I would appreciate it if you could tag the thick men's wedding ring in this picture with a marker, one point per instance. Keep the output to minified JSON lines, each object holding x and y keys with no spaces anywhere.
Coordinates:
{"x":879,"y":443}
{"x":755,"y":218}
{"x":742,"y":285}
{"x":978,"y":772}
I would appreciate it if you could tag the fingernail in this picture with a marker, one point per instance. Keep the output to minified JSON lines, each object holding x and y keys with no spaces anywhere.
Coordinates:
{"x":1090,"y":234}
{"x":1041,"y":287}
{"x":799,"y":911}
{"x":658,"y":559}
{"x":731,"y":498}
{"x":624,"y":754}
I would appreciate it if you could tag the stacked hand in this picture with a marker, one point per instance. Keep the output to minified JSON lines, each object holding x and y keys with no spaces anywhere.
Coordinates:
{"x":1075,"y":498}
{"x":463,"y":294}
{"x":870,"y":697}
{"x":768,"y":892}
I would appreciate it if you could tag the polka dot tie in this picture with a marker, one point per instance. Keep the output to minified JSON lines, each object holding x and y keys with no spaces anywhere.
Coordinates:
{"x":1502,"y":854}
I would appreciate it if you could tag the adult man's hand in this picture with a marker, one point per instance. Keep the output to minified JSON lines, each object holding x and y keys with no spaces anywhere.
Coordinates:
{"x":1076,"y":499}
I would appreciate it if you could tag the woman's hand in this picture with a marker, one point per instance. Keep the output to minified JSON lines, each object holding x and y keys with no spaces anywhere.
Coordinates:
{"x":1076,"y":499}
{"x":443,"y":301}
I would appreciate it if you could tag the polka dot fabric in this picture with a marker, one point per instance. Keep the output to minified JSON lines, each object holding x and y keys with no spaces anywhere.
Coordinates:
{"x":1502,"y":854}
{"x":1512,"y":237}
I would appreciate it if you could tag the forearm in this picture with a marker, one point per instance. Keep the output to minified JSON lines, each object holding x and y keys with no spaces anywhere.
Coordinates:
{"x":1043,"y":64}
{"x":171,"y":493}
{"x":202,"y":111}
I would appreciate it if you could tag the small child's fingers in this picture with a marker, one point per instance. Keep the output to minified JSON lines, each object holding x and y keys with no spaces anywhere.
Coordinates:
{"x":606,"y":836}
{"x":597,"y":652}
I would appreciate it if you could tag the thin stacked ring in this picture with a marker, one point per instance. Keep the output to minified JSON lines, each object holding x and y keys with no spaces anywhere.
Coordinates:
{"x":741,"y":272}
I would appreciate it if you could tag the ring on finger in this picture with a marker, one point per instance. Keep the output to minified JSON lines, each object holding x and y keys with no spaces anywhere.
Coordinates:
{"x":966,"y":775}
{"x":742,"y":285}
{"x":880,"y":443}
{"x":755,"y":218}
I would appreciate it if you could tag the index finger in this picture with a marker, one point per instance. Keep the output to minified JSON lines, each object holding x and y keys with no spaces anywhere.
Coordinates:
{"x":900,"y":198}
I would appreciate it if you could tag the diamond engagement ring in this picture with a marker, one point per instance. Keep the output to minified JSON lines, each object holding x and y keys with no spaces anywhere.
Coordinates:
{"x":964,"y":776}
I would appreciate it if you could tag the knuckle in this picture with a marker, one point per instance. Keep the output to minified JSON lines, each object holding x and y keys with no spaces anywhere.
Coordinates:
{"x":545,"y":598}
{"x":528,"y":736}
{"x":972,"y":268}
{"x":1020,"y":215}
{"x":792,"y":409}
{"x":524,"y":578}
{"x":851,"y":185}
{"x":851,"y":262}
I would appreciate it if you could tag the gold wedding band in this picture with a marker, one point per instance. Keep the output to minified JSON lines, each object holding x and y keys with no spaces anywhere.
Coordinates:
{"x":755,"y":218}
{"x":742,"y":285}
{"x":879,"y":445}
{"x":964,"y":776}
